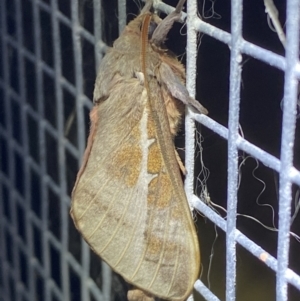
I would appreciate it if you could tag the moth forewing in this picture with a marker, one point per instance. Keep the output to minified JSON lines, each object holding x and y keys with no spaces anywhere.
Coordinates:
{"x":128,"y":201}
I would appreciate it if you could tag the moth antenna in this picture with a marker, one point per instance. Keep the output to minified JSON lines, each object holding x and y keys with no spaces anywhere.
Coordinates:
{"x":144,"y":40}
{"x":138,"y":4}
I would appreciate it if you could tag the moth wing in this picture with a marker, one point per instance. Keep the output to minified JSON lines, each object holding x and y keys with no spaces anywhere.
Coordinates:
{"x":133,"y":219}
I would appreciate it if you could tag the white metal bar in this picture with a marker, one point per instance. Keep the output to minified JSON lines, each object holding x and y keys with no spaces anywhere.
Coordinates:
{"x":64,"y":20}
{"x":61,"y":151}
{"x":287,"y":146}
{"x":11,"y":177}
{"x":248,"y":48}
{"x":98,"y":32}
{"x":244,"y":145}
{"x":107,"y":281}
{"x":41,"y":144}
{"x":77,"y":47}
{"x":25,"y":146}
{"x":244,"y":241}
{"x":3,"y":244}
{"x":205,"y":291}
{"x":122,"y":15}
{"x":233,"y":127}
{"x":106,"y":289}
{"x":191,"y":51}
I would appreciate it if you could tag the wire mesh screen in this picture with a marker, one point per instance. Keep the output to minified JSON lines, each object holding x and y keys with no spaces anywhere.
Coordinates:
{"x":50,"y":51}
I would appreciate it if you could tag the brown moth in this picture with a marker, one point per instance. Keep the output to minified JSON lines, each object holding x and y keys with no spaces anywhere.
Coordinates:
{"x":128,"y":201}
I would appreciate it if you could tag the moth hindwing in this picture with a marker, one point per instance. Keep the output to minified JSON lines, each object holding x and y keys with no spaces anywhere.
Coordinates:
{"x":128,"y":201}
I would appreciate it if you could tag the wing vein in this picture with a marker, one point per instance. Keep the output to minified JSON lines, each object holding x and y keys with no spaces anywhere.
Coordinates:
{"x":145,"y":248}
{"x":130,"y":240}
{"x":176,"y":267}
{"x":108,"y":158}
{"x":114,"y":198}
{"x":162,"y":252}
{"x":119,"y":223}
{"x":92,"y":200}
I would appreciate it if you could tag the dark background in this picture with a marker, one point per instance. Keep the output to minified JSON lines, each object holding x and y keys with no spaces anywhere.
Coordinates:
{"x":260,"y":119}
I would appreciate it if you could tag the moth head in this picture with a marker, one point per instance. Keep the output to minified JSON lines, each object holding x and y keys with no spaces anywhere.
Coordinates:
{"x":157,"y":28}
{"x":135,"y":26}
{"x":152,"y":26}
{"x":154,"y":22}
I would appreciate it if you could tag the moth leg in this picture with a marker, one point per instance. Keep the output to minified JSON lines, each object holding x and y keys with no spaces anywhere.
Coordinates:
{"x":161,"y":31}
{"x":138,"y":295}
{"x":181,"y":165}
{"x":147,"y":7}
{"x":178,"y":89}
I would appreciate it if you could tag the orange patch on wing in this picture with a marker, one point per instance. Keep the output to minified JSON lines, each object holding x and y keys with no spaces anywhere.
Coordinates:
{"x":176,"y":212}
{"x":127,"y":164}
{"x":160,"y":192}
{"x":154,"y":159}
{"x":154,"y":245}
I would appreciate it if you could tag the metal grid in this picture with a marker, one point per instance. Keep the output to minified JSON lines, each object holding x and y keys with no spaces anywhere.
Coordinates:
{"x":37,"y":258}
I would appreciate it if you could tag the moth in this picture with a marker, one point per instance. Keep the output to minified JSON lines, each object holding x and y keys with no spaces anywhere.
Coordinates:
{"x":128,"y":201}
